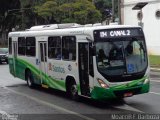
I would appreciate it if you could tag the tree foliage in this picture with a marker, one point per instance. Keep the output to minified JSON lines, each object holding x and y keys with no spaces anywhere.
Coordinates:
{"x":8,"y":17}
{"x":34,"y":12}
{"x":104,"y":6}
{"x":62,"y":11}
{"x":47,"y":10}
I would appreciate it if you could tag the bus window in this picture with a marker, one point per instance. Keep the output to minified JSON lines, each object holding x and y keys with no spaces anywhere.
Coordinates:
{"x":21,"y":46}
{"x":30,"y":46}
{"x":54,"y":47}
{"x":69,"y":48}
{"x":10,"y":45}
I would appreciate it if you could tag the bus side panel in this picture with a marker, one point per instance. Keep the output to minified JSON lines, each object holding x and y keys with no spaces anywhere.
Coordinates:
{"x":58,"y":71}
{"x":22,"y":63}
{"x":20,"y":68}
{"x":11,"y":66}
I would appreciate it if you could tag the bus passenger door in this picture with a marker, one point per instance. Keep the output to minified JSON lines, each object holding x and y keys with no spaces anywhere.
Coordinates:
{"x":14,"y":56}
{"x":43,"y":61}
{"x":83,"y":49}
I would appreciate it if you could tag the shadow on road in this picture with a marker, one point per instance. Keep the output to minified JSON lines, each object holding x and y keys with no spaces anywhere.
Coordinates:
{"x":87,"y":101}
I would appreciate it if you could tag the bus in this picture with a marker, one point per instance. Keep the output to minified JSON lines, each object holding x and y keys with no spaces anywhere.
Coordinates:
{"x":100,"y":62}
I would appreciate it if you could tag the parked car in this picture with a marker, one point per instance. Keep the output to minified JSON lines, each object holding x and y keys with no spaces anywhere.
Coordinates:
{"x":3,"y":55}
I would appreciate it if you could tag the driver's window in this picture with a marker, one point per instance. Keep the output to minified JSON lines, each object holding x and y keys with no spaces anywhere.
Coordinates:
{"x":102,"y":53}
{"x":136,"y":48}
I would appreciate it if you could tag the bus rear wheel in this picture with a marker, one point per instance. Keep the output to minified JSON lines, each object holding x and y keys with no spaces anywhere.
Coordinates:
{"x":29,"y":79}
{"x":73,"y":91}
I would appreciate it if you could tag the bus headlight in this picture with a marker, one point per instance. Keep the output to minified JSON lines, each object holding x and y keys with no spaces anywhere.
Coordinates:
{"x":146,"y":80}
{"x":102,"y":83}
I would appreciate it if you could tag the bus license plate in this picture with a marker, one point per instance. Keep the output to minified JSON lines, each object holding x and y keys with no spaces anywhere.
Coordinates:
{"x":128,"y":94}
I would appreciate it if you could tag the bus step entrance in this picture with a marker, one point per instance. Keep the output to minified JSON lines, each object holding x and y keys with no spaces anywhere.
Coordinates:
{"x":45,"y":86}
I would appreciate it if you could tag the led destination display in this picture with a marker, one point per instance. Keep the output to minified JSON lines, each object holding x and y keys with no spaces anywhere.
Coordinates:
{"x":115,"y":33}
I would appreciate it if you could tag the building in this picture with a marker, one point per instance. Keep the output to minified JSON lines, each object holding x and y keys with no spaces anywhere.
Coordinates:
{"x":148,"y":17}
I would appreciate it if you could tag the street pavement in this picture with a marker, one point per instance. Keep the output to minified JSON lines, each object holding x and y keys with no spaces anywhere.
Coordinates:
{"x":23,"y":103}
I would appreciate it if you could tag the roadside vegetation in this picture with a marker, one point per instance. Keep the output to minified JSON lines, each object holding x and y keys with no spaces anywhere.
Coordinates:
{"x":154,"y":60}
{"x":17,"y":15}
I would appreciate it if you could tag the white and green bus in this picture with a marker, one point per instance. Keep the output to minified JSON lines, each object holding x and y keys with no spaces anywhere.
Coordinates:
{"x":99,"y":62}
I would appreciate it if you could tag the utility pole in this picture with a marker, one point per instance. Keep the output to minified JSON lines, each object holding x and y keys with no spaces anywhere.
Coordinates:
{"x":113,"y":11}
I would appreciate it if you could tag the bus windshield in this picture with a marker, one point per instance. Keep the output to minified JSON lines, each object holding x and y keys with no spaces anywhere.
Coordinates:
{"x":121,"y":56}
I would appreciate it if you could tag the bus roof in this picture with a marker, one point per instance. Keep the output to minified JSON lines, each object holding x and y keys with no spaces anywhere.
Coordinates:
{"x":86,"y":30}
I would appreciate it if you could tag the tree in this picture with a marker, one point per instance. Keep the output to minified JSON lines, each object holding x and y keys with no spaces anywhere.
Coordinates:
{"x":29,"y":18}
{"x":64,"y":11}
{"x":81,"y":11}
{"x":7,"y":14}
{"x":9,"y":17}
{"x":47,"y":10}
{"x":105,"y":7}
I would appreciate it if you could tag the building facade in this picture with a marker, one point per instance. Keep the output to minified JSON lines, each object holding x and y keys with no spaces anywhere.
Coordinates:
{"x":148,"y":17}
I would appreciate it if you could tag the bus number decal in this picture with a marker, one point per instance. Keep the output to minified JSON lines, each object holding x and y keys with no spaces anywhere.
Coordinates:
{"x":103,"y":34}
{"x":128,"y":32}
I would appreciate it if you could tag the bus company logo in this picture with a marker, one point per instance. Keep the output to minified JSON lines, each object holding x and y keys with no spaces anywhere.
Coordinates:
{"x":56,"y":68}
{"x":69,"y":67}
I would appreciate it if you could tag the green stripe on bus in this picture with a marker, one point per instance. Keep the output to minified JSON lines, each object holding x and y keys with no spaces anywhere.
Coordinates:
{"x":20,"y":63}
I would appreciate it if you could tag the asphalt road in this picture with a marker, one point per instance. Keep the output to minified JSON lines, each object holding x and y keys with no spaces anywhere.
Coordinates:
{"x":23,"y":103}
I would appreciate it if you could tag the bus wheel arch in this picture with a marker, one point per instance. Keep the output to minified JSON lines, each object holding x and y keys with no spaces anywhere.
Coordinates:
{"x":71,"y":88}
{"x":29,"y":78}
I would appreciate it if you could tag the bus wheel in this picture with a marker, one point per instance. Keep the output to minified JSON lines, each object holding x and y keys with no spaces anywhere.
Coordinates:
{"x":73,"y":91}
{"x":29,"y":78}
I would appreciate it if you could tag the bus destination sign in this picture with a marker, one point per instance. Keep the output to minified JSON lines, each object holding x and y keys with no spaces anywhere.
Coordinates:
{"x":114,"y":33}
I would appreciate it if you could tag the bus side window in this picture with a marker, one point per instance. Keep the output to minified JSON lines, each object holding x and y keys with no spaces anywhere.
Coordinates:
{"x":10,"y":45}
{"x":65,"y":54}
{"x":69,"y":48}
{"x":30,"y":46}
{"x":21,"y":46}
{"x":54,"y":47}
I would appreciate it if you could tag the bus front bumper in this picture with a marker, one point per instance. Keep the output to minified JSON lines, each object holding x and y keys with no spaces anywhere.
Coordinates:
{"x":100,"y":93}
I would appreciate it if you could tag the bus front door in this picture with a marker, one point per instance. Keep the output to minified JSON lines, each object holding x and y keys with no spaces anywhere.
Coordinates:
{"x":43,"y":62}
{"x":14,"y":57}
{"x":83,"y":49}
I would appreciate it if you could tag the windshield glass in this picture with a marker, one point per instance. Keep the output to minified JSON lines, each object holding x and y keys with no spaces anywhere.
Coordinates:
{"x":121,"y":56}
{"x":3,"y":50}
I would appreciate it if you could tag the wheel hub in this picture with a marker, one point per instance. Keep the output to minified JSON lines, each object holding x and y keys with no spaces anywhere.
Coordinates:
{"x":74,"y":89}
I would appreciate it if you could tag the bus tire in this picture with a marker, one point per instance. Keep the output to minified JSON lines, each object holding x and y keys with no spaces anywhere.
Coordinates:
{"x":29,"y":79}
{"x":72,"y":91}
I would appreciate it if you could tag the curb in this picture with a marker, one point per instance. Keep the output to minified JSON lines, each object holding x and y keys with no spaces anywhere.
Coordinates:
{"x":155,"y":69}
